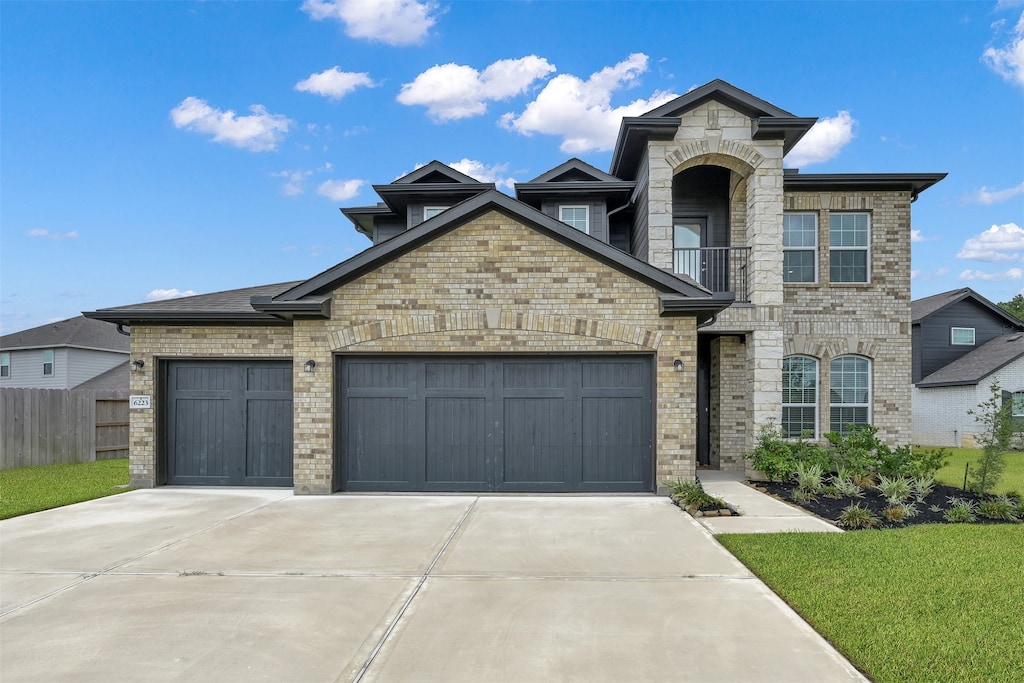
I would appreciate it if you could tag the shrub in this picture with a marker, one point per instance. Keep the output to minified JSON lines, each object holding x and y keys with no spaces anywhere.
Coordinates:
{"x":845,"y":486}
{"x":693,"y":495}
{"x":809,"y":477}
{"x":895,"y":490}
{"x":904,"y":461}
{"x":899,"y":512}
{"x":995,"y":418}
{"x":922,"y":486}
{"x":857,"y":517}
{"x":772,"y":455}
{"x":856,"y":450}
{"x":812,"y":454}
{"x":961,"y":510}
{"x":999,"y":508}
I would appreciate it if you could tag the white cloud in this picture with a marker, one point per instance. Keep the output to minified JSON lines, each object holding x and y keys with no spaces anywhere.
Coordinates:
{"x":581,"y":111}
{"x":914,"y":274}
{"x":335,"y":83}
{"x":395,"y":22}
{"x":46,"y":234}
{"x":916,"y":236}
{"x":455,"y":91}
{"x":258,"y":132}
{"x":1008,"y":61}
{"x":987,"y":196}
{"x":1011,"y":274}
{"x":998,"y":243}
{"x":163,"y":294}
{"x":823,"y":141}
{"x":485,"y":174}
{"x":295,"y":183}
{"x":340,"y":190}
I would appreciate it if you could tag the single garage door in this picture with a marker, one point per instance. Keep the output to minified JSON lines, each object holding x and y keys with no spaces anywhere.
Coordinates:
{"x":443,"y":423}
{"x":229,"y":423}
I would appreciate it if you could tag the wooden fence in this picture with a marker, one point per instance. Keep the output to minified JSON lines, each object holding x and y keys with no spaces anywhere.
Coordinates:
{"x":51,"y":426}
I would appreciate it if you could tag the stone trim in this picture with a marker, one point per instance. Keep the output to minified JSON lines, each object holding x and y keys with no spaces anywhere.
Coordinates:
{"x":731,"y":154}
{"x":828,"y":349}
{"x":495,"y":319}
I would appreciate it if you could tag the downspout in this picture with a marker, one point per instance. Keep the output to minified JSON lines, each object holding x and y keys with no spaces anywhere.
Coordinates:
{"x":120,"y":330}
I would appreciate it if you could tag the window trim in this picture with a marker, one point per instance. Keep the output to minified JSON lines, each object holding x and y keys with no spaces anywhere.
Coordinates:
{"x":831,"y":388}
{"x":433,"y":207}
{"x":954,"y":342}
{"x":586,"y":213}
{"x":48,"y":353}
{"x":5,"y":364}
{"x":1017,"y":399}
{"x":817,"y":399}
{"x":866,"y":249}
{"x":813,"y":249}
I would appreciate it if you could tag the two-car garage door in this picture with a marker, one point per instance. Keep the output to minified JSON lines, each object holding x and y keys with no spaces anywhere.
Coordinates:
{"x":498,"y":423}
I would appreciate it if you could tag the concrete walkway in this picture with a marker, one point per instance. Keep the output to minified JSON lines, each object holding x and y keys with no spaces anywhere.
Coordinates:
{"x":761,"y":513}
{"x":259,"y":585}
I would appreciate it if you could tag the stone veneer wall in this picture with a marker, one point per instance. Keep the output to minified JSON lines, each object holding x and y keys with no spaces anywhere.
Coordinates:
{"x":151,"y":343}
{"x":495,"y":286}
{"x":825,"y":320}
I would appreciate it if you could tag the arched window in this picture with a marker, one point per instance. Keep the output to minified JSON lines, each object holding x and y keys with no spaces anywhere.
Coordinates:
{"x":799,"y":396}
{"x":850,"y":392}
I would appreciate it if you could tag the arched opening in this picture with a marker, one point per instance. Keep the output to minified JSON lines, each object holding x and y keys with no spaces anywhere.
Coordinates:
{"x":702,"y":227}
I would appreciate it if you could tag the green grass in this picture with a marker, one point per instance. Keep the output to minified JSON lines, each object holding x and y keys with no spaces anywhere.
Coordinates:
{"x":31,"y":489}
{"x":926,"y":603}
{"x":953,"y":473}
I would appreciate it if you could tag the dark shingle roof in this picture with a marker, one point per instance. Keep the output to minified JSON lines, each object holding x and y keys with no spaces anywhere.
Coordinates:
{"x":79,"y":332}
{"x":230,"y":306}
{"x":115,"y":379}
{"x":979,"y":363}
{"x":922,"y":308}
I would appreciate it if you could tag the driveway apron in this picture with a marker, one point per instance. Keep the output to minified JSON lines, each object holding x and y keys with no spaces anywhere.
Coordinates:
{"x":178,"y":584}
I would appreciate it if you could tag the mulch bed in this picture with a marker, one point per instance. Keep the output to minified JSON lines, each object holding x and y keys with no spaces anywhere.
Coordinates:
{"x":830,"y":508}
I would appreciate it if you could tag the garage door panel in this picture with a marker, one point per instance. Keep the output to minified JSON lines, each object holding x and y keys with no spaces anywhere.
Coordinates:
{"x":534,"y":375}
{"x":455,"y":375}
{"x":268,"y":442}
{"x":613,"y":430}
{"x":456,"y":441}
{"x":378,"y":375}
{"x":379,"y":440}
{"x":536,"y":437}
{"x":609,"y":374}
{"x":202,"y":431}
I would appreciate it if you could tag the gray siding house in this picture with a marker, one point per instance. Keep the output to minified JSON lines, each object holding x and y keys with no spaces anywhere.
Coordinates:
{"x":600,"y":331}
{"x":61,"y":355}
{"x":962,"y":344}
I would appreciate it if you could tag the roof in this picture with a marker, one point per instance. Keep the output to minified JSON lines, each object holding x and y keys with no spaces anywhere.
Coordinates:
{"x":573,"y":178}
{"x":978,"y":364}
{"x":574,"y":169}
{"x":78,"y":332}
{"x":231,"y":306}
{"x":915,"y":183}
{"x":679,"y":294}
{"x":923,"y":308}
{"x":767,"y":122}
{"x":115,"y":379}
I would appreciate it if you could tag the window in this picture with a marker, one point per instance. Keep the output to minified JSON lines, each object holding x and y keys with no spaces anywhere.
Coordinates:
{"x":1018,"y":404}
{"x":799,"y":247}
{"x":850,"y":390}
{"x":848,"y":243}
{"x":576,"y":216}
{"x":962,"y":336}
{"x":48,"y":362}
{"x":5,"y":365}
{"x":431,"y":211}
{"x":799,"y":396}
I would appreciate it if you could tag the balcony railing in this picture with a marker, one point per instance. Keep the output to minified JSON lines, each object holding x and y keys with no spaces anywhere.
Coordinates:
{"x":720,"y":269}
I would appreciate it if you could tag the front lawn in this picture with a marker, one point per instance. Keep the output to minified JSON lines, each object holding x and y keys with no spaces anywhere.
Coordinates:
{"x":31,"y":489}
{"x":953,"y":473}
{"x":927,"y":603}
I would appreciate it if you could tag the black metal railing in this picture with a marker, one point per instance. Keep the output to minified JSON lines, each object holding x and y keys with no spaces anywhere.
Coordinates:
{"x":720,"y":269}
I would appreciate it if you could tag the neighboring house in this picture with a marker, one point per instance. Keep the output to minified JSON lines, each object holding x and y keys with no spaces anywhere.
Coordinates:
{"x":602,"y":331}
{"x":61,"y":355}
{"x":962,"y":344}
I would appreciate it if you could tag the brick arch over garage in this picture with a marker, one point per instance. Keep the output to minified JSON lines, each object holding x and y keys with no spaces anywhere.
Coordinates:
{"x":496,"y":320}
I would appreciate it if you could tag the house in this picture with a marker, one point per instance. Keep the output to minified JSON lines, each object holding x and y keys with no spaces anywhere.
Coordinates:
{"x":61,"y":355}
{"x":962,"y":344}
{"x":601,"y":331}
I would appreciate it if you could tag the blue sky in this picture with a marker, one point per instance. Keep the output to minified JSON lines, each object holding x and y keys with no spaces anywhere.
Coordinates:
{"x":151,"y":149}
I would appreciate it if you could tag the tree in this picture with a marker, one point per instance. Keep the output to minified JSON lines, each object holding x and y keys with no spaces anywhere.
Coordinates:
{"x":995,"y":421}
{"x":1014,"y":306}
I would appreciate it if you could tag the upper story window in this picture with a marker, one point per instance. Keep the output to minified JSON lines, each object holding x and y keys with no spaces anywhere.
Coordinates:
{"x":799,"y":396}
{"x":576,"y":216}
{"x":431,"y":211}
{"x":850,"y":392}
{"x":48,"y":362}
{"x":799,"y":247}
{"x":848,"y":236}
{"x":961,"y":336}
{"x":5,"y":365}
{"x":1017,"y":409}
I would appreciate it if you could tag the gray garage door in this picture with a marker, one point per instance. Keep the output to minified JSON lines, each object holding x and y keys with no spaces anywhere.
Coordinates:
{"x":443,"y":423}
{"x":229,"y":423}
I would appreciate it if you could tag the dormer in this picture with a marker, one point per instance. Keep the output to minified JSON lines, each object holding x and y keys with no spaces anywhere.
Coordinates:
{"x":588,"y":199}
{"x":413,"y":199}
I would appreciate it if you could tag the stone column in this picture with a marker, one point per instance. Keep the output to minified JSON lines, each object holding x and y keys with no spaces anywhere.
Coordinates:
{"x":764,"y":358}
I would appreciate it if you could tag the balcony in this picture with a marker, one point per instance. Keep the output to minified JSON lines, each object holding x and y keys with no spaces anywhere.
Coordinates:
{"x":720,"y":269}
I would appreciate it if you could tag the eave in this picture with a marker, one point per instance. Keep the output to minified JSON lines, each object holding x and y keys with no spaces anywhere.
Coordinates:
{"x":399,"y":196}
{"x":915,"y":183}
{"x":309,"y":308}
{"x":704,"y":309}
{"x":634,"y":132}
{"x":183,"y":317}
{"x":789,"y":129}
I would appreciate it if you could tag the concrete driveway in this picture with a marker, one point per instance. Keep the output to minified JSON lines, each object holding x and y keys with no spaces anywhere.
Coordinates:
{"x":259,"y":585}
